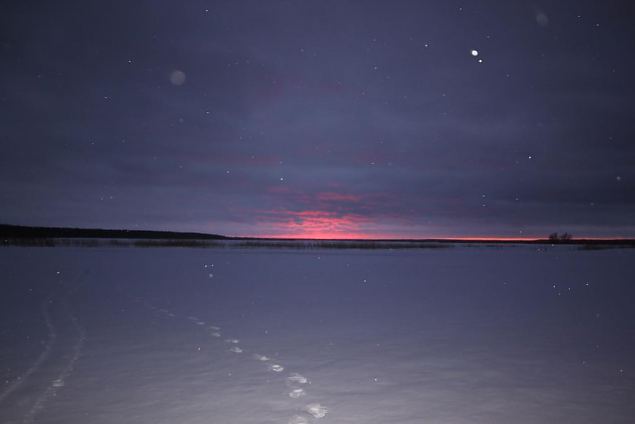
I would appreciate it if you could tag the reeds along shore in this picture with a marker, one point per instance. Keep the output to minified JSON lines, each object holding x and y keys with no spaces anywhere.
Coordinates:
{"x":300,"y":244}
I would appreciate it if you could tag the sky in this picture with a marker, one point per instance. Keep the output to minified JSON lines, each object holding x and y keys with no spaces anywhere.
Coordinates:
{"x":325,"y":119}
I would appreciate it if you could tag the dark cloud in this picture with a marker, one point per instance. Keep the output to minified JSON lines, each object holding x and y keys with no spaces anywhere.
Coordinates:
{"x":320,"y":118}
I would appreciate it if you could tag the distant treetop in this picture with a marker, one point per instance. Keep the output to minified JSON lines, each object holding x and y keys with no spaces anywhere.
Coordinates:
{"x":555,"y":237}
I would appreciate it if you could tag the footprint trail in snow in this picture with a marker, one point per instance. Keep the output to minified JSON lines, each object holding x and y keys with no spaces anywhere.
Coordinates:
{"x":294,"y":381}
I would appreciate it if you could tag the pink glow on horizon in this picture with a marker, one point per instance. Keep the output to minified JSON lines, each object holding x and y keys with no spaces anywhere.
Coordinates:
{"x":320,"y":224}
{"x":390,"y":236}
{"x":328,"y":225}
{"x":314,"y":224}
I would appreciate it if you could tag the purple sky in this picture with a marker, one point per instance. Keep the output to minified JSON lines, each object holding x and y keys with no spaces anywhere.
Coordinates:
{"x":327,"y":118}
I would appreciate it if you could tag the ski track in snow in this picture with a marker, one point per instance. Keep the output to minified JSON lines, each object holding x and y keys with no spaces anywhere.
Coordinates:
{"x":294,"y":381}
{"x":60,"y":381}
{"x":52,"y":336}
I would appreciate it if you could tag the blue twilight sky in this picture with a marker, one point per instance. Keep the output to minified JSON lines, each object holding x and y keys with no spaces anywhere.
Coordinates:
{"x":327,"y":118}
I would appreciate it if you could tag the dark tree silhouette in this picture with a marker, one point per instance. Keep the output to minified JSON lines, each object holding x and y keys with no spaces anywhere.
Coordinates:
{"x":557,"y":238}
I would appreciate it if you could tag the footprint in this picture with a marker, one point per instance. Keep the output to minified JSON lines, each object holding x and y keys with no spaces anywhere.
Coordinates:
{"x":200,"y":322}
{"x":235,"y":349}
{"x":261,"y":357}
{"x":298,"y":419}
{"x":294,"y":377}
{"x":234,"y":341}
{"x":214,"y":328}
{"x":276,"y":368}
{"x":297,"y":393}
{"x":215,"y":334}
{"x":317,"y":410}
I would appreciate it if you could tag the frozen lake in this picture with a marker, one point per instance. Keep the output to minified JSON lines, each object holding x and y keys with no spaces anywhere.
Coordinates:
{"x":518,"y":334}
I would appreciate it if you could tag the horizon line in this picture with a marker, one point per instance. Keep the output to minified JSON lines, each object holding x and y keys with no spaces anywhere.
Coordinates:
{"x":335,"y":237}
{"x":443,"y":238}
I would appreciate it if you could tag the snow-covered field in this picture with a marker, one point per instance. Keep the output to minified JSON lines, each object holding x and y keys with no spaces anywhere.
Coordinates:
{"x":235,"y":336}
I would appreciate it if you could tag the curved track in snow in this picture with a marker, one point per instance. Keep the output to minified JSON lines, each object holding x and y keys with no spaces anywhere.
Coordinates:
{"x":52,"y":336}
{"x":28,"y":394}
{"x":58,"y":383}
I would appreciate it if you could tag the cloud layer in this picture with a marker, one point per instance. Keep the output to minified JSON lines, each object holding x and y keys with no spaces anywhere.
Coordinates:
{"x":331,"y":118}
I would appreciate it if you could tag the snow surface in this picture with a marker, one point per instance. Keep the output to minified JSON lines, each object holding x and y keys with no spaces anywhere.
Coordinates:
{"x":449,"y":335}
